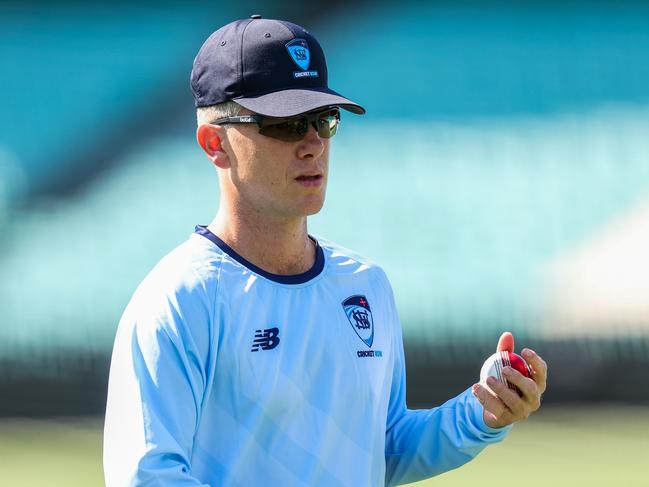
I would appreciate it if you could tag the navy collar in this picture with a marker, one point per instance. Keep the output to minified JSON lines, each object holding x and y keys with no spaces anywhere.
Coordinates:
{"x":282,"y":279}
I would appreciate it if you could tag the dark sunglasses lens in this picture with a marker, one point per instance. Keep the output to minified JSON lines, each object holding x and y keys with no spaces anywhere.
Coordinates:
{"x":328,"y":124}
{"x":288,"y":131}
{"x":294,"y":129}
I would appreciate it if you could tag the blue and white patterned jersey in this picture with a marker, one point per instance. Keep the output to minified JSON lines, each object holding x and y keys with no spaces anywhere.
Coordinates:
{"x":225,"y":375}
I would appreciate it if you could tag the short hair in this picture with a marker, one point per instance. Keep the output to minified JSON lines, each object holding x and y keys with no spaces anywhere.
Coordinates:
{"x":220,"y":110}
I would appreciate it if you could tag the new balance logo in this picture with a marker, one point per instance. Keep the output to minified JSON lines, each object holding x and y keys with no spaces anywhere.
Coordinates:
{"x":265,"y":339}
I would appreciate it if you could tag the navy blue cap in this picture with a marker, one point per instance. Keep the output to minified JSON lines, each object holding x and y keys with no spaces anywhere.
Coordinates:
{"x":271,"y":67}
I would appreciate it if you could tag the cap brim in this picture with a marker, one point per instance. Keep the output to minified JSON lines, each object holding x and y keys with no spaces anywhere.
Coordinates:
{"x":287,"y":103}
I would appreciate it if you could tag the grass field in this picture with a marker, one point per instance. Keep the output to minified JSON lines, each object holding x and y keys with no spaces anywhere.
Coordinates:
{"x":558,"y":447}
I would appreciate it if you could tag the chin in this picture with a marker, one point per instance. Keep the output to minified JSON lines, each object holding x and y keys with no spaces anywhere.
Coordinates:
{"x":308,"y":210}
{"x":312,"y":208}
{"x":311,"y":204}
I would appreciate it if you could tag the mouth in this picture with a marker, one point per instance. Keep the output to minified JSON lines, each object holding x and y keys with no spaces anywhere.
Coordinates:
{"x":309,"y":180}
{"x":314,"y":177}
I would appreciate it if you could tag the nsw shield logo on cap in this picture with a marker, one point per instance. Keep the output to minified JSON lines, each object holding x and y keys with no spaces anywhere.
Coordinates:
{"x":299,"y":51}
{"x":359,"y":315}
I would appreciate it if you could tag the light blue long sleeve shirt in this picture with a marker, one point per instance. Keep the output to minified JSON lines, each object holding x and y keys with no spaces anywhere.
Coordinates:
{"x":225,"y":375}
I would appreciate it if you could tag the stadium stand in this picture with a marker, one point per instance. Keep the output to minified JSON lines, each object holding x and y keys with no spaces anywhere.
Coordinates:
{"x":496,"y":142}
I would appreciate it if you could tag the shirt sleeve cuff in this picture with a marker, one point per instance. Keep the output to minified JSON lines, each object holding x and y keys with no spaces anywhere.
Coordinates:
{"x":478,"y":418}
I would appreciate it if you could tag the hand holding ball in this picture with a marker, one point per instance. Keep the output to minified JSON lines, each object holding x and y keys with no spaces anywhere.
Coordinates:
{"x":495,"y":364}
{"x":510,"y":404}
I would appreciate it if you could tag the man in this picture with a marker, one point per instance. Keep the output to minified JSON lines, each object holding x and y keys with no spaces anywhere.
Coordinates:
{"x":255,"y":354}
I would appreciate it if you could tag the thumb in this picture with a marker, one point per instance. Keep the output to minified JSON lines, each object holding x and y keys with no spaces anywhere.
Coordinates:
{"x":506,"y":342}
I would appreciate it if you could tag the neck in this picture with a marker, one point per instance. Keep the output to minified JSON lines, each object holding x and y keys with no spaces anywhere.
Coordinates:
{"x":280,"y":246}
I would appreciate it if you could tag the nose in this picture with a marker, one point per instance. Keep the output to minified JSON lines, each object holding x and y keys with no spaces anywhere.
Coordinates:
{"x":312,"y":145}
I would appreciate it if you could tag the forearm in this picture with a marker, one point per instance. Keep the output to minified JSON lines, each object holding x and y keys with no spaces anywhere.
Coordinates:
{"x":428,"y":442}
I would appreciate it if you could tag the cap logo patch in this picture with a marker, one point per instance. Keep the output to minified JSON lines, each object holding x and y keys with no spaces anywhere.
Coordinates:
{"x":298,"y":49}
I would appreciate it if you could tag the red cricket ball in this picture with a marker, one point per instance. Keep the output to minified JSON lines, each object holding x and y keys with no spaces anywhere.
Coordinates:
{"x":495,"y":364}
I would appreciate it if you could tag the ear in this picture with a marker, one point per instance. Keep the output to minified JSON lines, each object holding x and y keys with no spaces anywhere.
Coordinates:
{"x":210,"y":138}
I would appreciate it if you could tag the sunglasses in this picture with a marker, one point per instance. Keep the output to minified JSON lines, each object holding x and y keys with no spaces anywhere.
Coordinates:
{"x":291,"y":129}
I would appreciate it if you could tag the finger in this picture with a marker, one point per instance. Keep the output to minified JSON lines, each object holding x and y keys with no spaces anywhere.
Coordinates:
{"x":506,"y":342}
{"x":489,"y":401}
{"x":528,"y":388}
{"x":507,"y":396}
{"x":538,"y":366}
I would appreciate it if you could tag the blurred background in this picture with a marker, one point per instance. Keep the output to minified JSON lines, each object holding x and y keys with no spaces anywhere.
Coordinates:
{"x":500,"y":177}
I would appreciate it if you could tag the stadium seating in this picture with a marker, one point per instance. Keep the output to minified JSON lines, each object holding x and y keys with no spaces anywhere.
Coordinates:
{"x":496,"y":142}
